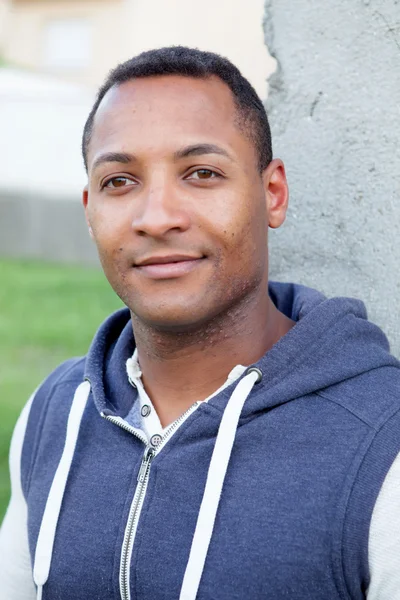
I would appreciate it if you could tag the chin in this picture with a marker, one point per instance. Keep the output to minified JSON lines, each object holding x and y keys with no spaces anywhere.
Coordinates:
{"x":172,"y":319}
{"x":173,"y":325}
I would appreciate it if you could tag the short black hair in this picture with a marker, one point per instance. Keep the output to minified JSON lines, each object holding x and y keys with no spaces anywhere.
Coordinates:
{"x":191,"y":62}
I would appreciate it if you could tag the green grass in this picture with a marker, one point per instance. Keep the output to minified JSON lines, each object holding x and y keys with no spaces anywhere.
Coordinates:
{"x":47,"y":313}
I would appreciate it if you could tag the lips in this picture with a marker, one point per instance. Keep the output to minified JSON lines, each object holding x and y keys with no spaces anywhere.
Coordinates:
{"x":168,"y":267}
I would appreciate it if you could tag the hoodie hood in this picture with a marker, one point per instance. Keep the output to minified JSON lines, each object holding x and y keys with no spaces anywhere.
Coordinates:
{"x":331,"y":343}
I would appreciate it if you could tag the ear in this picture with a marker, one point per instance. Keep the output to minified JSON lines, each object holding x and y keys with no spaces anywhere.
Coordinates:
{"x":276,"y":193}
{"x":85,"y":202}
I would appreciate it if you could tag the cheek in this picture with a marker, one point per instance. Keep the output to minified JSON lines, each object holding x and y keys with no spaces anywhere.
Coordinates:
{"x":113,"y":265}
{"x":245,"y":230}
{"x":109,"y":229}
{"x":248,"y":256}
{"x":111,"y":248}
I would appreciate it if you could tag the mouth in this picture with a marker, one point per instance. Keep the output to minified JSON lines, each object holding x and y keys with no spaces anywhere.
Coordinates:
{"x":168,"y":267}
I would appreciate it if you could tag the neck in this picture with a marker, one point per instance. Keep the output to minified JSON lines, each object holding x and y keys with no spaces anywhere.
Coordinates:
{"x":182,"y":368}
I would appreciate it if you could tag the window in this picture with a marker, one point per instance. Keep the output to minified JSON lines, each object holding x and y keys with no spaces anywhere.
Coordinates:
{"x":67,"y":44}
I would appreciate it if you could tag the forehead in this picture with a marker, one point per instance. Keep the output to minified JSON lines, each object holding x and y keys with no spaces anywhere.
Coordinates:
{"x":166,"y":111}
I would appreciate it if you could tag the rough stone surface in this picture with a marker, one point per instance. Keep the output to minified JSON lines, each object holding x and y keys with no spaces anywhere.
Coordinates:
{"x":334,"y":106}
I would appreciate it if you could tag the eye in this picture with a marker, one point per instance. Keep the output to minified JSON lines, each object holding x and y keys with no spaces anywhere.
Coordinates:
{"x":118,"y":182}
{"x":203,"y":174}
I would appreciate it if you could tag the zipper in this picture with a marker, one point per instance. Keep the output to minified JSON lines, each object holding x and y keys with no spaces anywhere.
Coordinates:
{"x":133,"y":518}
{"x":124,"y":425}
{"x":172,"y":428}
{"x":140,"y":492}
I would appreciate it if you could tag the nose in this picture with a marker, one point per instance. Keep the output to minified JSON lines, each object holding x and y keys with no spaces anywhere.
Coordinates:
{"x":161,"y":211}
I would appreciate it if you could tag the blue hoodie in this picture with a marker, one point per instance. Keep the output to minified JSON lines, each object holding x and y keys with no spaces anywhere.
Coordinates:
{"x":278,"y":507}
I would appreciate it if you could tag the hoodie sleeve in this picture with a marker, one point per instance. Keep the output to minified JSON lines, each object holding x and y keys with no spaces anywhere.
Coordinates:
{"x":16,"y":581}
{"x":384,"y":539}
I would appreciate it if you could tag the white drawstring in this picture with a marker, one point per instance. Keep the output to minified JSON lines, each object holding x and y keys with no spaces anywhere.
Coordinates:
{"x":45,"y":541}
{"x":215,"y":480}
{"x":209,"y":505}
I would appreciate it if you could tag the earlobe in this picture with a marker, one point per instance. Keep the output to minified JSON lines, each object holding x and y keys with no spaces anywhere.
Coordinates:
{"x":277,"y":193}
{"x":85,"y":200}
{"x":85,"y":197}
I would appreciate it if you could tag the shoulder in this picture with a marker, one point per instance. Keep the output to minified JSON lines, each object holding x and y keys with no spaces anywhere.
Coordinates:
{"x":71,"y":370}
{"x":384,"y":539}
{"x":57,"y":387}
{"x":373,"y":396}
{"x":53,"y":397}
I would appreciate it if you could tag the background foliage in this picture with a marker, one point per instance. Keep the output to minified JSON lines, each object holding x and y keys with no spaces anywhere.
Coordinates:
{"x":48,"y":313}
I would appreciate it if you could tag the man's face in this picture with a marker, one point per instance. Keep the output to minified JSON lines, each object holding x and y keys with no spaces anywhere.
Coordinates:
{"x":175,"y":200}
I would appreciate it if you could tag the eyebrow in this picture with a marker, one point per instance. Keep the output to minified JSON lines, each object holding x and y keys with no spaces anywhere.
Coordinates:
{"x":199,"y":150}
{"x":187,"y":151}
{"x":109,"y":157}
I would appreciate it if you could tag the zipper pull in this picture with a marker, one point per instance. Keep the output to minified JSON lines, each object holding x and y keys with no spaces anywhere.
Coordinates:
{"x":147,"y":458}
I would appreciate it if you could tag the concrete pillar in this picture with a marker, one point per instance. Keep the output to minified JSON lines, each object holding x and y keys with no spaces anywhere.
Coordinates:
{"x":334,"y":106}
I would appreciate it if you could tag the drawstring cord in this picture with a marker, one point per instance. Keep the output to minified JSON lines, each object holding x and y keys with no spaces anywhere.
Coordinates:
{"x":215,"y":481}
{"x":45,"y":542}
{"x":209,"y":505}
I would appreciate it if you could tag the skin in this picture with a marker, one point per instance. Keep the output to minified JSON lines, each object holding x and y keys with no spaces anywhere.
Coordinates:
{"x":156,"y":193}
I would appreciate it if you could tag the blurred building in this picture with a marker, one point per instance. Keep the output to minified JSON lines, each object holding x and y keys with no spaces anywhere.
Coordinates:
{"x":72,"y":39}
{"x":80,"y":40}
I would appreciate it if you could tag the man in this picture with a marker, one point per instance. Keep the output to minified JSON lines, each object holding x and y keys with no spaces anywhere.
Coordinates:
{"x":218,"y":440}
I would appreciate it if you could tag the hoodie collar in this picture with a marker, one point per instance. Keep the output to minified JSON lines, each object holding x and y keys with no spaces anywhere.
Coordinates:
{"x":112,"y":345}
{"x":332,"y":341}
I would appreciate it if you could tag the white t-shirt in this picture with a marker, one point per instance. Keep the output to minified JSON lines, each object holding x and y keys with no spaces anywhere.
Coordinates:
{"x":151,"y":425}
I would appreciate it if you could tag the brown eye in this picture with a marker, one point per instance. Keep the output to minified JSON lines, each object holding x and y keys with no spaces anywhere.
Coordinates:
{"x":204,"y":174}
{"x":118,"y":182}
